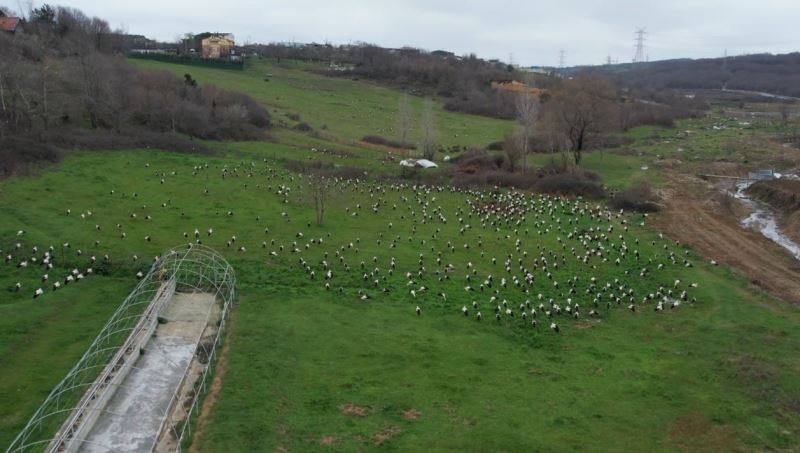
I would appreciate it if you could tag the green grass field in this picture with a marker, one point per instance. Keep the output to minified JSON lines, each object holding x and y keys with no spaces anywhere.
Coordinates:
{"x":310,"y":369}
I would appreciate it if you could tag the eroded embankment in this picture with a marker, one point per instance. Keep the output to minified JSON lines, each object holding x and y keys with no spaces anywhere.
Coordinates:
{"x":783,"y":196}
{"x":698,"y":214}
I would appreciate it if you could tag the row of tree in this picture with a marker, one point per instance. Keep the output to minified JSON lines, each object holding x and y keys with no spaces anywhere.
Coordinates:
{"x":428,"y":143}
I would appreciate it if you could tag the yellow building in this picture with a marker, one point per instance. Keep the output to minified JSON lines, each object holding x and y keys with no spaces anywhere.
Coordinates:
{"x":215,"y":45}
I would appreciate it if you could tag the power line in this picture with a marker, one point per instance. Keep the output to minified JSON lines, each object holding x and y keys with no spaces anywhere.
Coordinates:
{"x":639,"y":55}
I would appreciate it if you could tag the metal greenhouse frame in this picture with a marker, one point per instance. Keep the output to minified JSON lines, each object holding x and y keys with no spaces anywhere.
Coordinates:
{"x":72,"y":407}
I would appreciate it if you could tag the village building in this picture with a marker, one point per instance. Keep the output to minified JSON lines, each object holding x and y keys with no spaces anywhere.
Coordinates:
{"x":11,"y":25}
{"x":214,"y":45}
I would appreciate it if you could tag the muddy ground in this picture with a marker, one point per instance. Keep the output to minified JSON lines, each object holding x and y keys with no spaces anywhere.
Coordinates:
{"x":698,"y":214}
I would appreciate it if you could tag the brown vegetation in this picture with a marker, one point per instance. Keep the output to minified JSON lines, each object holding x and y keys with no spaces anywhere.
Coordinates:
{"x":639,"y":197}
{"x":383,"y":141}
{"x":479,"y":168}
{"x":62,"y":76}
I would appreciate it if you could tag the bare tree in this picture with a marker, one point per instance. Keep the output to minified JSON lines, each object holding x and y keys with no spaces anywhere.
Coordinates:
{"x":785,"y":111}
{"x":428,"y":125}
{"x":527,"y":107}
{"x":581,"y":109}
{"x":319,"y":189}
{"x":404,"y":119}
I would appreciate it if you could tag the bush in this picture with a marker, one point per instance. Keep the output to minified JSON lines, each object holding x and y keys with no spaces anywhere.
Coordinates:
{"x":18,"y":154}
{"x":638,"y":197}
{"x":575,"y":183}
{"x":302,"y":127}
{"x":383,"y":141}
{"x":476,"y":160}
{"x":495,"y":146}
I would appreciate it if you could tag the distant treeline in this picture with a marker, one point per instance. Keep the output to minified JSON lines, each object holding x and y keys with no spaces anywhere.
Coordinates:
{"x":465,"y":82}
{"x":62,"y":77}
{"x":775,"y":74}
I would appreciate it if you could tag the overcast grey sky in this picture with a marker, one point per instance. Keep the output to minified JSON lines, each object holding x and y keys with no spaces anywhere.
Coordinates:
{"x":533,"y":31}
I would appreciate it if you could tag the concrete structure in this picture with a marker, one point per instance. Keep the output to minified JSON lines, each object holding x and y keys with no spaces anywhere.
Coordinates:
{"x":761,"y":175}
{"x":135,"y":413}
{"x":138,"y":385}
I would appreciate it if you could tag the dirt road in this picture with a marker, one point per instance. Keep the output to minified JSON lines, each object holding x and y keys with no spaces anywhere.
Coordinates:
{"x":698,"y":216}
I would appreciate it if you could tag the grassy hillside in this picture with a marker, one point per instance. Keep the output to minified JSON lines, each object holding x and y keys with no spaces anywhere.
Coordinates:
{"x":343,"y":108}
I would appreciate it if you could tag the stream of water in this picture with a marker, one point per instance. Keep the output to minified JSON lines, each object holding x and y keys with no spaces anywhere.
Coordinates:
{"x":764,"y":220}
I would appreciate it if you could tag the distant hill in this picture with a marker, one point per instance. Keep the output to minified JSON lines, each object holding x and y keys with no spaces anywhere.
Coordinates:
{"x":775,"y":74}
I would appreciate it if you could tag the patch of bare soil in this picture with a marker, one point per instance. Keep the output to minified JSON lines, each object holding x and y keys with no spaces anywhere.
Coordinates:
{"x":723,"y":168}
{"x":696,"y":215}
{"x":585,"y":324}
{"x":384,"y":435}
{"x":695,"y":432}
{"x":790,"y":225}
{"x":411,"y":414}
{"x":328,"y":441}
{"x":352,"y":409}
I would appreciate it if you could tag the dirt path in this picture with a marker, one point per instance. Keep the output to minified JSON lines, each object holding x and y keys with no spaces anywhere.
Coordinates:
{"x":213,"y":393}
{"x":696,"y":215}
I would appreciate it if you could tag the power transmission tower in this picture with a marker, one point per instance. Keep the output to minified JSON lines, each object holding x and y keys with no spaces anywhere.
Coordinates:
{"x":638,"y":56}
{"x":561,"y":54}
{"x":608,"y":59}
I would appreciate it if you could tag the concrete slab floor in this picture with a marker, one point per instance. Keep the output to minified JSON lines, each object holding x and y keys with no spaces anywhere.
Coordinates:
{"x":133,"y":416}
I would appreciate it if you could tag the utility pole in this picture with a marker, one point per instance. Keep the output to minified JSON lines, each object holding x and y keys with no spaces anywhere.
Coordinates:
{"x":639,"y":56}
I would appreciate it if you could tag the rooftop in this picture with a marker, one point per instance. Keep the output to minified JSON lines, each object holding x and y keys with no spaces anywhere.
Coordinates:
{"x":9,"y":23}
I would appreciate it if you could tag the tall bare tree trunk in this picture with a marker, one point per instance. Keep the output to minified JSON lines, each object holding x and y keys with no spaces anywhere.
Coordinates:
{"x":404,"y":119}
{"x":428,"y":126}
{"x":527,"y":113}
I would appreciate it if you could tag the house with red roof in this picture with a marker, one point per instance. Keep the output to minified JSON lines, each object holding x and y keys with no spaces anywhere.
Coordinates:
{"x":10,"y":24}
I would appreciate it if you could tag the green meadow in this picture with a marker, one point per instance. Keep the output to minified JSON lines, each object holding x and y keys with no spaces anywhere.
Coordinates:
{"x":352,"y":367}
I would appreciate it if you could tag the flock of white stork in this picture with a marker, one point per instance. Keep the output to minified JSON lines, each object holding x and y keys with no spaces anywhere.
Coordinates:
{"x":522,"y":257}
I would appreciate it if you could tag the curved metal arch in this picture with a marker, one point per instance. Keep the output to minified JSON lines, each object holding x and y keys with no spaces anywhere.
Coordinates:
{"x":193,"y":267}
